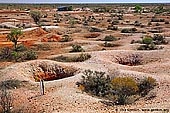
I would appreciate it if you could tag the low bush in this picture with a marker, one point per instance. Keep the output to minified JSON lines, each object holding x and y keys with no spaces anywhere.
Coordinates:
{"x":146,"y":85}
{"x":137,"y":23}
{"x":77,"y":48}
{"x":94,"y":29}
{"x":124,"y":87}
{"x":95,"y":83}
{"x":119,"y":90}
{"x":30,"y":55}
{"x":147,"y":40}
{"x":5,"y":53}
{"x":128,"y":30}
{"x":21,"y":48}
{"x":109,"y":38}
{"x":151,"y":46}
{"x":159,"y":39}
{"x":80,"y":58}
{"x":8,"y":54}
{"x":107,"y":44}
{"x":112,"y":27}
{"x":131,"y":59}
{"x":115,"y":22}
{"x":10,"y":84}
{"x":66,"y":38}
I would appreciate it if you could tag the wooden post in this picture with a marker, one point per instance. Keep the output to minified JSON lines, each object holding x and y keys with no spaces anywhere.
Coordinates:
{"x":41,"y":87}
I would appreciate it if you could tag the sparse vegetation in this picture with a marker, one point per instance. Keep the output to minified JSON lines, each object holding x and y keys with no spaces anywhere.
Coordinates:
{"x":6,"y":100}
{"x":95,"y":82}
{"x":128,"y":30}
{"x":100,"y":35}
{"x":131,"y":59}
{"x":77,"y":48}
{"x":22,"y":53}
{"x":10,"y":84}
{"x":94,"y":29}
{"x":124,"y":87}
{"x":14,"y":36}
{"x":109,"y":38}
{"x":146,"y":85}
{"x":36,"y":15}
{"x":66,"y":38}
{"x":107,"y":44}
{"x":77,"y":58}
{"x":138,"y":8}
{"x":151,"y":42}
{"x":119,"y":90}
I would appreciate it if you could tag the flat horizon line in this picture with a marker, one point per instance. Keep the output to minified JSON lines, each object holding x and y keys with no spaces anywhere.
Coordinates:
{"x":87,"y":3}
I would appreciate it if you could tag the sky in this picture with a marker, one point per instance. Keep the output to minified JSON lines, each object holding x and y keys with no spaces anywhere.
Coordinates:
{"x":84,"y":1}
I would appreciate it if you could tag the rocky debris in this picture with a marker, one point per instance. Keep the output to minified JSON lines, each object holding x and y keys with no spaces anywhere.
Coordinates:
{"x":7,"y":25}
{"x":24,"y":25}
{"x":53,"y":38}
{"x":49,"y":72}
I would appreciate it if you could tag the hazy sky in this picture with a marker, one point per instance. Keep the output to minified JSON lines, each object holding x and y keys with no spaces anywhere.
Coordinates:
{"x":84,"y":1}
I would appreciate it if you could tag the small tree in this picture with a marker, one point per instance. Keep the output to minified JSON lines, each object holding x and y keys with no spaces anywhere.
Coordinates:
{"x":138,"y":8}
{"x":14,"y":36}
{"x":36,"y":15}
{"x":5,"y":100}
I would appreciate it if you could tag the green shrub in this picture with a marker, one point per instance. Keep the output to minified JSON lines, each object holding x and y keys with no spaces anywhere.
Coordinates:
{"x":21,"y":48}
{"x":8,"y":54}
{"x":128,"y":30}
{"x":94,"y":29}
{"x":36,"y":15}
{"x":120,"y":90}
{"x":30,"y":55}
{"x":146,"y":85}
{"x":159,"y":39}
{"x":77,"y":48}
{"x":95,"y":82}
{"x":109,"y":38}
{"x":147,"y":40}
{"x":14,"y":36}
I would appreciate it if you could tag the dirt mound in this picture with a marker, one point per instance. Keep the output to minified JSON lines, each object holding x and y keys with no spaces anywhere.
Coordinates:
{"x":35,"y":34}
{"x":53,"y":38}
{"x":34,"y":70}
